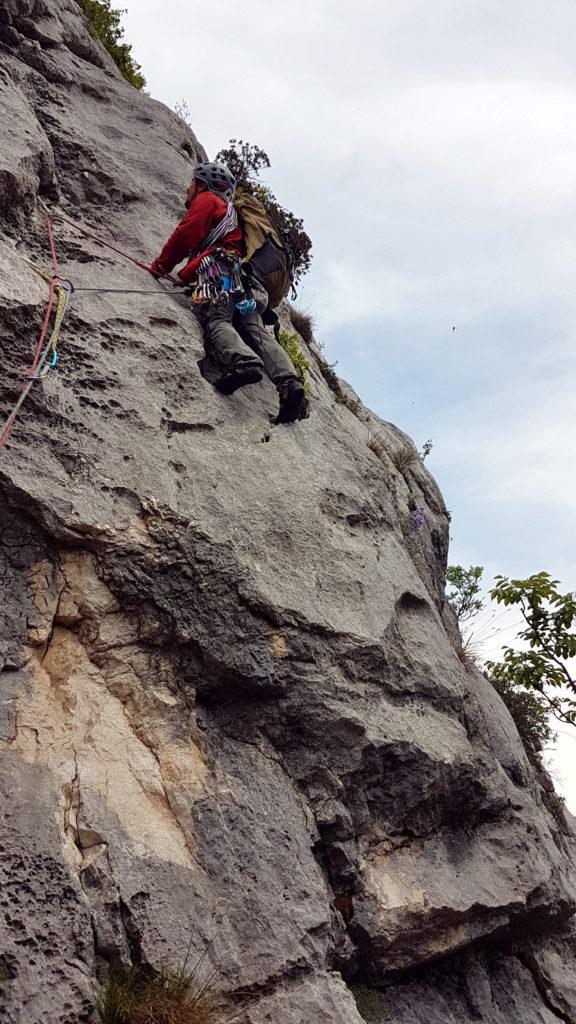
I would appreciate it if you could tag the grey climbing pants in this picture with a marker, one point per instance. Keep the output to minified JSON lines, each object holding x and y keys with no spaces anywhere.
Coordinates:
{"x":236,"y":340}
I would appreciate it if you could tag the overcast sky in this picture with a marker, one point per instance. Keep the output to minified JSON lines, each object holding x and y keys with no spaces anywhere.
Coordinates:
{"x":431,"y":149}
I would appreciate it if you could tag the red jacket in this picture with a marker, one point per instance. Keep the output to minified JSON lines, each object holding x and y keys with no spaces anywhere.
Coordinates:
{"x":206,"y":210}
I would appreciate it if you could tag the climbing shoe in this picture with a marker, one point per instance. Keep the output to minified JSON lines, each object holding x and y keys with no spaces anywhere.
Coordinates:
{"x":291,"y":399}
{"x":234,"y":379}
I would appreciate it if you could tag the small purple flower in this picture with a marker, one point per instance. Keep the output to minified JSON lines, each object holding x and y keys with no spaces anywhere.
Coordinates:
{"x":416,"y":520}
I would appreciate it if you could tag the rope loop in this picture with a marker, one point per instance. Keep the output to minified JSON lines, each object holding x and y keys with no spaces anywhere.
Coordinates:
{"x":60,"y":289}
{"x":46,"y":352}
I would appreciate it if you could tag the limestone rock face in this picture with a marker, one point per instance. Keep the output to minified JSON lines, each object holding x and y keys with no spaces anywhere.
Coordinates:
{"x":232,"y":715}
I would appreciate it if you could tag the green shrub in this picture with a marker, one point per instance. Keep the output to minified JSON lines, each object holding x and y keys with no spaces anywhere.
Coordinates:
{"x":531,"y":715}
{"x":327,"y":371}
{"x":246,"y":163}
{"x":104,"y":24}
{"x":549,"y":639}
{"x":140,"y":995}
{"x":289,"y":343}
{"x":466,"y":587}
{"x":426,"y":449}
{"x":554,"y":803}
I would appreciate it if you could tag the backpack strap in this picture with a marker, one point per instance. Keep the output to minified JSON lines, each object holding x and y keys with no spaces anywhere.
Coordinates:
{"x":228,"y":223}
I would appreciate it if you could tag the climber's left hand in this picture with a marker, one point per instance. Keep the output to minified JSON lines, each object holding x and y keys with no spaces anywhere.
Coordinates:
{"x":156,"y":269}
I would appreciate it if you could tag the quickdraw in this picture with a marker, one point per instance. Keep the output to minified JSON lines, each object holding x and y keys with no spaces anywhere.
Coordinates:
{"x":46,"y":351}
{"x":217,"y":278}
{"x":63,"y":290}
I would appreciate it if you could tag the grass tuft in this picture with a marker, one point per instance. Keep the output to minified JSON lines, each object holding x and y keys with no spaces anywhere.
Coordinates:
{"x":404,"y":457}
{"x":469,"y":653}
{"x":377,"y":443}
{"x":302,"y":322}
{"x":141,"y":995}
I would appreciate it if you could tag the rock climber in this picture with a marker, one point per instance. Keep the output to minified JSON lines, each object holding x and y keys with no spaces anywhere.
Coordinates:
{"x":228,"y":297}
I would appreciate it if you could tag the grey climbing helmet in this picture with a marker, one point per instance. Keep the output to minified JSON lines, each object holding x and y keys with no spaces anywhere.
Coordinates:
{"x":218,"y":179}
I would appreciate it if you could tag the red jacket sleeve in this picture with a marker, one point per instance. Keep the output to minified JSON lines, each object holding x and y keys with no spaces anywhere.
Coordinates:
{"x":191,"y":231}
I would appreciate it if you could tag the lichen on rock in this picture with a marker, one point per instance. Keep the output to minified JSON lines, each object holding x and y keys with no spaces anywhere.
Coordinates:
{"x":232,"y":716}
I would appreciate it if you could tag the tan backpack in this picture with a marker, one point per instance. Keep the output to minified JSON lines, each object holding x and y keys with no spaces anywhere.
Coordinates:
{"x":265,"y":253}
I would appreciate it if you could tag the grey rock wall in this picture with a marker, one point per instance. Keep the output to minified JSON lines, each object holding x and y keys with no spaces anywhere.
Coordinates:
{"x":232,"y":715}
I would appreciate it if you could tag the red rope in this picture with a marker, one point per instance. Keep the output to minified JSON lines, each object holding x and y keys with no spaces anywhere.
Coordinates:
{"x":9,"y":426}
{"x":11,"y":421}
{"x":46,"y":320}
{"x":38,"y":350}
{"x":95,"y":238}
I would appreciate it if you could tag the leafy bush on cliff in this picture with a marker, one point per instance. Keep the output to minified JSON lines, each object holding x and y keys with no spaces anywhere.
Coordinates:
{"x":550,"y":636}
{"x":246,"y":163}
{"x":104,"y":24}
{"x":465,"y":585}
{"x":531,"y":716}
{"x":331,"y":378}
{"x":289,"y":342}
{"x":529,"y":706}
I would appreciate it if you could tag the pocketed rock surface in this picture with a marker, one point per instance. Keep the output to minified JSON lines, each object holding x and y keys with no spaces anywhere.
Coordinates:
{"x":232,"y":714}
